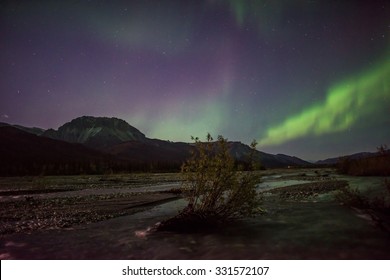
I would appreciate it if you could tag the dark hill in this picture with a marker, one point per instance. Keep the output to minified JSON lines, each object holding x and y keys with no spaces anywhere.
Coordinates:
{"x":23,"y":153}
{"x":241,"y":151}
{"x":333,"y":161}
{"x":153,"y":151}
{"x":33,"y":130}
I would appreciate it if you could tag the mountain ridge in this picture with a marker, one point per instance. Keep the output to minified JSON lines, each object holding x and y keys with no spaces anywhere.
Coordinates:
{"x":335,"y":160}
{"x":117,"y":140}
{"x":33,"y":130}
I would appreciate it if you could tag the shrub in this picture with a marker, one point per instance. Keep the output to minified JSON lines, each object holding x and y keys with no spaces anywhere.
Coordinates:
{"x":216,"y":191}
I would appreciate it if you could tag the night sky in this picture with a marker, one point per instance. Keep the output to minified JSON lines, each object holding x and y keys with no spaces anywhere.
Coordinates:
{"x":304,"y":78}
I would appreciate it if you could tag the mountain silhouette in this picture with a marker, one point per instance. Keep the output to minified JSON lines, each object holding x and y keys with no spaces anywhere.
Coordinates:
{"x":100,"y":144}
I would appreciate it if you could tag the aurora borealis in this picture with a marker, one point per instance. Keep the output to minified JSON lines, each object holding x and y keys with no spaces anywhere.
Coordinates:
{"x":344,"y":105}
{"x":304,"y":78}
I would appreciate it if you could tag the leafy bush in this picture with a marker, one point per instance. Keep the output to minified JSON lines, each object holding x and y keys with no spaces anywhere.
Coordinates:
{"x":216,"y":191}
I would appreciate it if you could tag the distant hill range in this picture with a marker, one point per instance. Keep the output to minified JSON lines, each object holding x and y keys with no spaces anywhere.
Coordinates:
{"x":363,"y":164}
{"x":357,"y":156}
{"x":99,"y":144}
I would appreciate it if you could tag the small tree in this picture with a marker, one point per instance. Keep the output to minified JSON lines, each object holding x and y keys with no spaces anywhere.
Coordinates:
{"x":215,"y":190}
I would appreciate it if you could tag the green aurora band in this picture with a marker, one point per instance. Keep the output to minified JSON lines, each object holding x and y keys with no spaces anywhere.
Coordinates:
{"x":345,"y":104}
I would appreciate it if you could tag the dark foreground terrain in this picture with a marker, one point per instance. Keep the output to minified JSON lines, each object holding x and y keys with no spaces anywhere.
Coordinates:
{"x":109,"y":217}
{"x":30,"y":204}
